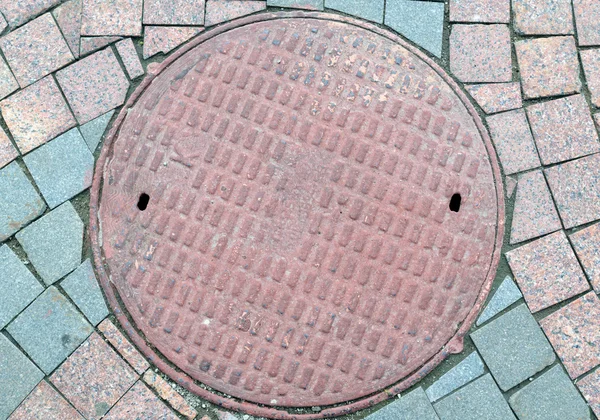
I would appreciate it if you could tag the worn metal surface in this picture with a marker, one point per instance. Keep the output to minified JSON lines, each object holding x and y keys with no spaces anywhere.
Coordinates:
{"x":298,"y":248}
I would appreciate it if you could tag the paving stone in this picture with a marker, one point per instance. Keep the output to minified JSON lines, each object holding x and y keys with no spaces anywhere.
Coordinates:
{"x":542,"y":17}
{"x":574,"y":331}
{"x":61,"y":168}
{"x":297,"y":4}
{"x":68,"y":17}
{"x":47,"y":404}
{"x":513,"y":347}
{"x":420,"y":21}
{"x":576,"y":190}
{"x":35,"y":50}
{"x":547,"y":271}
{"x":83,"y":288}
{"x":590,"y":388}
{"x":485,"y":11}
{"x":20,"y":203}
{"x":8,"y":83}
{"x":163,"y":39}
{"x":112,"y":17}
{"x":586,"y":244}
{"x":552,"y":396}
{"x":513,"y":140}
{"x":534,"y":213}
{"x":496,"y":97}
{"x":94,"y":43}
{"x":174,"y":12}
{"x":17,"y":285}
{"x":506,"y":294}
{"x":140,"y":403}
{"x":3,"y":23}
{"x":470,"y":368}
{"x":36,"y":114}
{"x":39,"y":240}
{"x":94,"y":130}
{"x":94,"y":85}
{"x":548,"y":66}
{"x":123,"y":346}
{"x":481,"y":53}
{"x":130,"y":58}
{"x":166,"y":392}
{"x":94,"y":378}
{"x":218,"y":11}
{"x":7,"y":151}
{"x":587,"y":22}
{"x":590,"y":59}
{"x":357,"y":8}
{"x":481,"y":399}
{"x":17,"y":12}
{"x":49,"y":329}
{"x":563,"y":129}
{"x":413,"y":405}
{"x":18,"y":376}
{"x":511,"y":184}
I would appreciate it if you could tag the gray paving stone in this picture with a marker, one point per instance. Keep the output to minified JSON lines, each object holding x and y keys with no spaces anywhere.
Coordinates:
{"x":18,"y":376}
{"x":514,"y":347}
{"x":53,"y":243}
{"x":552,"y":396}
{"x":92,"y":131}
{"x":373,"y":10}
{"x":506,"y":294}
{"x":411,"y":406}
{"x":20,"y":203}
{"x":82,"y":286}
{"x":297,"y":4}
{"x":420,"y":21}
{"x":481,"y":399}
{"x":18,"y":287}
{"x":467,"y":370}
{"x":49,"y":329}
{"x":61,"y":168}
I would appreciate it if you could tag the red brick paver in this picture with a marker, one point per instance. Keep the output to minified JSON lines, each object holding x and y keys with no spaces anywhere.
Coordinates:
{"x":587,"y":20}
{"x":166,"y":392}
{"x":123,"y":346}
{"x":543,"y":17}
{"x":7,"y":150}
{"x":485,"y":11}
{"x":18,"y":12}
{"x":496,"y":97}
{"x":8,"y":83}
{"x":140,"y":403}
{"x":590,"y":59}
{"x":47,"y":404}
{"x":112,"y":17}
{"x":586,"y":244}
{"x":590,"y":388}
{"x":130,"y":58}
{"x":218,"y":11}
{"x":174,"y":12}
{"x":68,"y":17}
{"x":163,"y":39}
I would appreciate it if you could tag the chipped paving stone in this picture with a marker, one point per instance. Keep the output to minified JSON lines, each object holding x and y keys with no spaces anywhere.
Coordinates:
{"x":49,"y":329}
{"x":587,"y":22}
{"x":357,"y":8}
{"x":111,"y":17}
{"x":590,"y":59}
{"x":166,"y":392}
{"x":8,"y":83}
{"x":297,"y":4}
{"x":91,"y":44}
{"x":511,"y":184}
{"x":590,"y":388}
{"x":548,"y":66}
{"x":470,"y":368}
{"x":413,"y":405}
{"x":586,"y":244}
{"x":547,"y":271}
{"x":68,"y":17}
{"x":123,"y":346}
{"x":83,"y":288}
{"x":17,"y":12}
{"x":506,"y":294}
{"x":542,"y":17}
{"x":130,"y":58}
{"x":140,"y":403}
{"x":574,"y":331}
{"x":496,"y":97}
{"x":484,"y":11}
{"x":174,"y":12}
{"x":7,"y":151}
{"x":94,"y":130}
{"x":47,"y":404}
{"x":218,"y":11}
{"x":160,"y":39}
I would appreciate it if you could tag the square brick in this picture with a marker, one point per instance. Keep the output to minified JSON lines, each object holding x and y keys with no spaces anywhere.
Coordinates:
{"x":590,"y":388}
{"x":7,"y":151}
{"x":94,"y":85}
{"x":45,"y":403}
{"x":140,"y":403}
{"x":49,"y":329}
{"x":94,"y":378}
{"x":587,"y":22}
{"x":590,"y":59}
{"x":496,"y":97}
{"x":543,"y":17}
{"x":547,"y":271}
{"x":485,"y":11}
{"x":17,"y":12}
{"x":574,"y":331}
{"x":586,"y":244}
{"x":563,"y":129}
{"x":36,"y":114}
{"x":123,"y":346}
{"x":35,"y":50}
{"x":8,"y":83}
{"x":112,"y":17}
{"x":174,"y":12}
{"x":576,"y":190}
{"x":83,"y":288}
{"x":481,"y":53}
{"x":514,"y":347}
{"x":548,"y":66}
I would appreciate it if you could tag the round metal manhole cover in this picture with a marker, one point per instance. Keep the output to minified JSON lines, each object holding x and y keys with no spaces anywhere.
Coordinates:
{"x":298,"y":211}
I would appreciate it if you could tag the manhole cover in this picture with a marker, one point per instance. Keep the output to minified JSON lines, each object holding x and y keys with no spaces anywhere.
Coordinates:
{"x":299,"y":211}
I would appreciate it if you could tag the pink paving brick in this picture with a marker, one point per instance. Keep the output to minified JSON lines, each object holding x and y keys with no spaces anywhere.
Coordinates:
{"x":574,"y":332}
{"x":513,"y":140}
{"x":587,"y":21}
{"x":167,"y":392}
{"x":94,"y":377}
{"x":112,"y":17}
{"x":163,"y":39}
{"x":481,"y":53}
{"x":543,"y":17}
{"x":576,"y":190}
{"x":174,"y":12}
{"x":496,"y":97}
{"x":17,"y":12}
{"x":35,"y":50}
{"x":586,"y":244}
{"x":45,"y":403}
{"x":548,"y":66}
{"x":590,"y":59}
{"x":68,"y":17}
{"x":218,"y":11}
{"x":547,"y":271}
{"x":534,"y":213}
{"x":485,"y":11}
{"x":7,"y":151}
{"x":94,"y":85}
{"x":563,"y":129}
{"x":94,"y":43}
{"x":36,"y":114}
{"x":123,"y":346}
{"x":8,"y":83}
{"x":130,"y":58}
{"x":590,"y":388}
{"x":140,"y":403}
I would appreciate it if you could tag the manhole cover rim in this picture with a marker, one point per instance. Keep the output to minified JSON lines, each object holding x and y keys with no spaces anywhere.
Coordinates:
{"x":452,"y":346}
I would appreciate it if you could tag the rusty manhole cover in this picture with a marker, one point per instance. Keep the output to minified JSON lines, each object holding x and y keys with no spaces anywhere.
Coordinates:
{"x":299,"y":211}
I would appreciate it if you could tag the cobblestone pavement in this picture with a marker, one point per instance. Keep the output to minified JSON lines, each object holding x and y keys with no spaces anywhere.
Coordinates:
{"x":532,"y":67}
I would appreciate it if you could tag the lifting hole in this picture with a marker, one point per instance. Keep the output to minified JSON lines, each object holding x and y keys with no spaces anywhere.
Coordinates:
{"x":143,"y":201}
{"x":455,"y":202}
